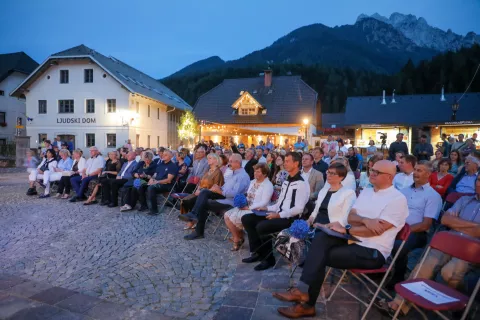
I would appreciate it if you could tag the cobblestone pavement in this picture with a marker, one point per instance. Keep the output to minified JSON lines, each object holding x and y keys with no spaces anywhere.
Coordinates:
{"x":129,"y":258}
{"x":137,"y":263}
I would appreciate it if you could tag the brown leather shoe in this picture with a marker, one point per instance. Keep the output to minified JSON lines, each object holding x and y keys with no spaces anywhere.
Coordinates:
{"x":292,"y":295}
{"x":297,"y":311}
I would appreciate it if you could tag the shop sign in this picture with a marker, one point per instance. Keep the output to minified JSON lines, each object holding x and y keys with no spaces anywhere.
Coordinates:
{"x":76,"y":120}
{"x":459,"y":123}
{"x":332,"y":130}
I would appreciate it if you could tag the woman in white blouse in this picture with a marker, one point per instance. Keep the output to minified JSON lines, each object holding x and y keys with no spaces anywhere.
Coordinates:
{"x":78,"y":167}
{"x":335,"y":200}
{"x":48,"y":163}
{"x":258,"y":195}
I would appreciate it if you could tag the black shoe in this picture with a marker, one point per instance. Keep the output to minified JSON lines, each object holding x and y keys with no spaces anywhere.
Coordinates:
{"x":264,"y":265}
{"x":112,"y":205}
{"x":194,"y":235}
{"x":82,"y":198}
{"x":188,"y":217}
{"x":143,"y":208}
{"x":104,"y":203}
{"x":73,"y":199}
{"x":31,"y":192}
{"x":152,"y":213}
{"x":253,"y":258}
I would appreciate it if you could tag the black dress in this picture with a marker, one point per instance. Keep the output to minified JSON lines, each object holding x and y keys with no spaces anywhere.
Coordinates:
{"x":109,"y":166}
{"x":322,"y":216}
{"x":131,"y":195}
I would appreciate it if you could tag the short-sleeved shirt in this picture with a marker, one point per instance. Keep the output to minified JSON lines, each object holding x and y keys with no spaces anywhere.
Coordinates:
{"x":387,"y":204}
{"x":164,"y":169}
{"x":423,"y":202}
{"x":466,"y":184}
{"x":467,"y":208}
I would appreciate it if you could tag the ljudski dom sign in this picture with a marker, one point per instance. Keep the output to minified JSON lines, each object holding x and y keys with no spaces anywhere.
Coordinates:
{"x":76,"y":120}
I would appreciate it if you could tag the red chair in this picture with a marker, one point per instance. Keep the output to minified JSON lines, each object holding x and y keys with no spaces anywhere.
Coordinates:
{"x":182,"y":195}
{"x":456,"y":245}
{"x":361,"y":275}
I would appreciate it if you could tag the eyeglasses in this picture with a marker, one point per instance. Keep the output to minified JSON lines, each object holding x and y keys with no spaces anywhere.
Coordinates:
{"x":376,"y":172}
{"x":331,"y":173}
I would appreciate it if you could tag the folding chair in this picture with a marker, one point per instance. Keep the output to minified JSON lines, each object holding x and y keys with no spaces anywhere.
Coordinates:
{"x":456,"y":245}
{"x":217,"y":218}
{"x":180,"y":196}
{"x":362,"y":275}
{"x":167,"y":195}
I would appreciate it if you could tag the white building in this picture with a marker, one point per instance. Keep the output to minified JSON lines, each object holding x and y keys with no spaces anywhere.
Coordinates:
{"x":14,"y":68}
{"x":83,"y":95}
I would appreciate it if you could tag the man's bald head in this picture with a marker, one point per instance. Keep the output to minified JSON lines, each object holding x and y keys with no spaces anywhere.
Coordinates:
{"x":382,"y":174}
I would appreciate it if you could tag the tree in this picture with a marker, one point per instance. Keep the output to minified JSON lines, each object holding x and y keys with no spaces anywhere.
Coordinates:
{"x":188,"y":127}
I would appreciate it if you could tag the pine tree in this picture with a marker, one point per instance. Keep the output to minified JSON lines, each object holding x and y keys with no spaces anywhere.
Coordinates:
{"x":188,"y":127}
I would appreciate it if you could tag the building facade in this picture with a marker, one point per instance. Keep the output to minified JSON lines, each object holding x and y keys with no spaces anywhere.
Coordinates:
{"x":251,"y":110}
{"x":14,"y":68}
{"x":93,"y":100}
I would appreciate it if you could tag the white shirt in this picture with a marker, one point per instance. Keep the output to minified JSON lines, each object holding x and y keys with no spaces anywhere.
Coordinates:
{"x":263,"y":194}
{"x":338,"y":207}
{"x":262,"y":160}
{"x":387,"y":204}
{"x":348,"y":146}
{"x":138,"y":158}
{"x":306,"y":175}
{"x":94,"y":164}
{"x":402,"y":180}
{"x":124,"y":170}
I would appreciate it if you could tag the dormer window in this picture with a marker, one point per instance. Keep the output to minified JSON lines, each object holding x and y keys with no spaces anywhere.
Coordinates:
{"x":247,"y":111}
{"x":247,"y":105}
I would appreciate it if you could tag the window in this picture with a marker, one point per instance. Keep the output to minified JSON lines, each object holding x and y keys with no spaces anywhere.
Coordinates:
{"x":248,"y":111}
{"x":148,"y":141}
{"x":111,"y":105}
{"x":65,"y":106}
{"x":148,"y":111}
{"x":138,"y":107}
{"x":158,"y":113}
{"x":90,"y":139}
{"x":3,"y":142}
{"x":63,"y":76}
{"x":111,"y":140}
{"x":158,"y":141}
{"x":90,"y":106}
{"x":88,"y":75}
{"x":2,"y":93}
{"x":41,"y":137}
{"x":2,"y":117}
{"x":42,"y":106}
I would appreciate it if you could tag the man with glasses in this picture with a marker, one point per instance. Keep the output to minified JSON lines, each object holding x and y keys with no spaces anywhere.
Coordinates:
{"x":377,"y":216}
{"x":405,"y":177}
{"x":217,"y":198}
{"x":464,"y":182}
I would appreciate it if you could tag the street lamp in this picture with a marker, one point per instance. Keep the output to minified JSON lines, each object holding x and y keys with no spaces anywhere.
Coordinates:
{"x":305,"y":122}
{"x":455,"y":107}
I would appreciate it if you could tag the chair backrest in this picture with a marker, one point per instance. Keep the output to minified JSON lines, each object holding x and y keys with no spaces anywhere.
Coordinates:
{"x":193,"y":180}
{"x":457,"y":245}
{"x":453,"y":197}
{"x":404,"y":233}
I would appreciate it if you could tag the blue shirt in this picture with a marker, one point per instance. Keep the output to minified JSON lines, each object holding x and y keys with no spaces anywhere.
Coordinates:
{"x":269,"y":146}
{"x":466,"y":184}
{"x":423,"y":202}
{"x":164,"y":169}
{"x":299,"y":145}
{"x":187,"y":160}
{"x":238,"y":183}
{"x":65,"y":165}
{"x":360,"y":161}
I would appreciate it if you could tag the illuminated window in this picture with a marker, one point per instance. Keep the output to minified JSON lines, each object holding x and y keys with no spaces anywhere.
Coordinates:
{"x":247,"y":111}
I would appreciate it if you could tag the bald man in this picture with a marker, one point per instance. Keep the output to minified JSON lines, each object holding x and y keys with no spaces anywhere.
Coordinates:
{"x":377,"y":216}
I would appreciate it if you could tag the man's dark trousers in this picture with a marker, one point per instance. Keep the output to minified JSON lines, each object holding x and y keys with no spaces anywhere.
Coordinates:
{"x":202,"y":205}
{"x":152,"y":192}
{"x":259,"y":231}
{"x":110,"y":189}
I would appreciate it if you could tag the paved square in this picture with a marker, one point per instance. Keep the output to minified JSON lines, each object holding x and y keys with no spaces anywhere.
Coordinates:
{"x":62,"y":260}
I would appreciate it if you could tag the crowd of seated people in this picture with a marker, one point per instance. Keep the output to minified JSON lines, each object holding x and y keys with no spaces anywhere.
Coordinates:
{"x":281,"y":186}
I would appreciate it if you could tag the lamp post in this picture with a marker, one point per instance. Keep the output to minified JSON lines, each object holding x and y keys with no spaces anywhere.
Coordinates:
{"x":305,"y":122}
{"x":455,"y":107}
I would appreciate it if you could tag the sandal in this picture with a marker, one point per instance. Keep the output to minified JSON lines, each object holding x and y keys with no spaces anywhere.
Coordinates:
{"x":191,"y":227}
{"x":384,"y":308}
{"x":65,"y":196}
{"x":237,"y":245}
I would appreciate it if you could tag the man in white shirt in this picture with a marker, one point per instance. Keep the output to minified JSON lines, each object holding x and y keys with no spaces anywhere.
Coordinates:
{"x":289,"y":206}
{"x":348,"y":145}
{"x":377,"y":216}
{"x":405,"y":177}
{"x":93,"y":168}
{"x":259,"y":155}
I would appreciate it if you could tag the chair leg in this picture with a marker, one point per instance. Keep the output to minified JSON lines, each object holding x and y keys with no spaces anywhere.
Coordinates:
{"x":293,"y":270}
{"x":337,"y":285}
{"x":226,"y":235}
{"x":398,"y":310}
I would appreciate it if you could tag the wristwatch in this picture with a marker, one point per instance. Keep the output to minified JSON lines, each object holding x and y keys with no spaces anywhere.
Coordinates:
{"x":347,"y":228}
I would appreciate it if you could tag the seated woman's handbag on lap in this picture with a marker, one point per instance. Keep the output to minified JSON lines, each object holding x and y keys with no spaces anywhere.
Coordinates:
{"x":292,"y":243}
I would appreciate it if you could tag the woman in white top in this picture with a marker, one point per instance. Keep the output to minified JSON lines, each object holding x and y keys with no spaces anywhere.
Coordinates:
{"x":371,"y":149}
{"x":48,"y":163}
{"x":78,"y":167}
{"x":333,"y":202}
{"x":258,"y":195}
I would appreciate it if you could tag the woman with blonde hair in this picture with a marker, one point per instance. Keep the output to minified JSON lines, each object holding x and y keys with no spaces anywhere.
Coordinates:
{"x":211,"y":177}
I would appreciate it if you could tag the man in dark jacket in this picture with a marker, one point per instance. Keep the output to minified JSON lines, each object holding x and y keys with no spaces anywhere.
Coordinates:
{"x":251,"y":161}
{"x":397,"y":146}
{"x":318,"y":163}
